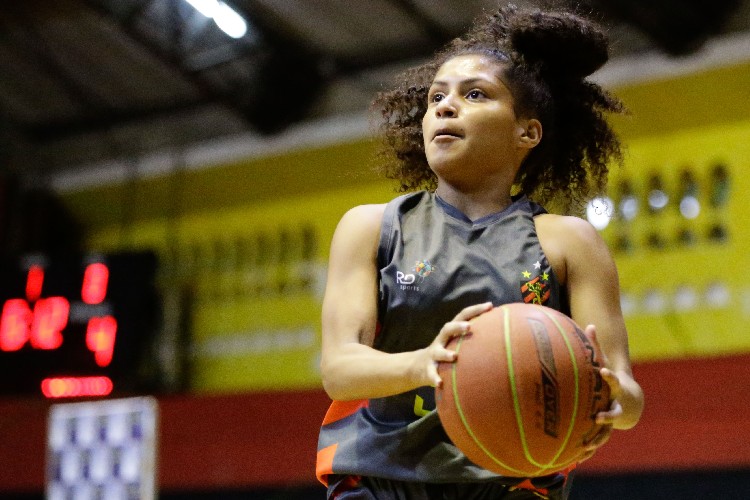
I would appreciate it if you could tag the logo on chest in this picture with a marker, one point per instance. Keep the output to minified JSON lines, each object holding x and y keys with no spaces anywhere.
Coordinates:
{"x":536,"y":289}
{"x":411,"y":281}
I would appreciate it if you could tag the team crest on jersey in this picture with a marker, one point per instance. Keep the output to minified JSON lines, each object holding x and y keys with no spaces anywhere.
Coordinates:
{"x":535,"y":289}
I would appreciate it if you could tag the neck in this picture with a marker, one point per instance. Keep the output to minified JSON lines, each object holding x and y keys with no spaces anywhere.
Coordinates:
{"x":478,"y":203}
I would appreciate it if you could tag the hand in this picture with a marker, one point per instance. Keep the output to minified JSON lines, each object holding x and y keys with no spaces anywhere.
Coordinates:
{"x":626,"y":395}
{"x":606,"y":418}
{"x":622,"y":388}
{"x":610,"y":416}
{"x":436,"y":352}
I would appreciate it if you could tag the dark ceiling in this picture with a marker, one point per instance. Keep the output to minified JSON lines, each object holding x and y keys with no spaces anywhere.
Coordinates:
{"x":87,"y":80}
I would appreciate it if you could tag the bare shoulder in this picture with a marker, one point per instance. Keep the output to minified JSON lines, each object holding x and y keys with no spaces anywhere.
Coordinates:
{"x":358,"y":229}
{"x":569,"y":229}
{"x":372,"y":213}
{"x":568,"y":240}
{"x":362,"y":220}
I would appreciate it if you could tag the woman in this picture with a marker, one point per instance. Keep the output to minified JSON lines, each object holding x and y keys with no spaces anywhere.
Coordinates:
{"x":501,"y":117}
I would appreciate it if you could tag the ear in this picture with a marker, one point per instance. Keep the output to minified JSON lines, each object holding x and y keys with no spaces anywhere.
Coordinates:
{"x":530,"y":133}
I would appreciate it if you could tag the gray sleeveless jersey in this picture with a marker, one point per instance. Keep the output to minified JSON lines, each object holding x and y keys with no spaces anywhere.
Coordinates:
{"x":433,"y":262}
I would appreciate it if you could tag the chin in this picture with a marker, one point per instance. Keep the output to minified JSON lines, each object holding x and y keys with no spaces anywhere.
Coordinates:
{"x":445,"y":170}
{"x":444,"y":159}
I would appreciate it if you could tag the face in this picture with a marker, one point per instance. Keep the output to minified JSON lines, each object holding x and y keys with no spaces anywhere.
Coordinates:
{"x":470,"y":128}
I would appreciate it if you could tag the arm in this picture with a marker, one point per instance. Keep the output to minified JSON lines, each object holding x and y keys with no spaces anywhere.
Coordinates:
{"x":591,"y":278}
{"x":351,"y":368}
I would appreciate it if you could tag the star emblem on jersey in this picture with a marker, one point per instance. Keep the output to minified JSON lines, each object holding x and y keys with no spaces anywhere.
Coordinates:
{"x":535,"y":290}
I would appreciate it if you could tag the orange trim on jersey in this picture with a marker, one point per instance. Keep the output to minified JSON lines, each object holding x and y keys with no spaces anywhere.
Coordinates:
{"x":324,"y":463}
{"x":528,"y":485}
{"x":342,"y":409}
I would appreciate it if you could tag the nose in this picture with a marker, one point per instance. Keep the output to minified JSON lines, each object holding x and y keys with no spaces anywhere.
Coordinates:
{"x":446,"y":108}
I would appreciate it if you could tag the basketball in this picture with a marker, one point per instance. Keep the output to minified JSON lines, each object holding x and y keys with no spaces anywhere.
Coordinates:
{"x":522,"y":396}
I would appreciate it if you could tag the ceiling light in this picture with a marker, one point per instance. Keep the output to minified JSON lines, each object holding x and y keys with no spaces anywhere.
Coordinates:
{"x":206,"y":7}
{"x":230,"y":21}
{"x":599,"y":212}
{"x":225,"y":17}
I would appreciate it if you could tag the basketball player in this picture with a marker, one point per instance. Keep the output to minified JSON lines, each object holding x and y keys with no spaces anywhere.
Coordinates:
{"x":500,"y":122}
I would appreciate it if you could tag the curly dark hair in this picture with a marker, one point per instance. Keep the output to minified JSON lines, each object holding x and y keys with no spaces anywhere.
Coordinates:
{"x":546,"y":57}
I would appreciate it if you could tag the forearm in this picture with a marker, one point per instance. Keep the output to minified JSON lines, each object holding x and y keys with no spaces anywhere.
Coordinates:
{"x":356,"y":371}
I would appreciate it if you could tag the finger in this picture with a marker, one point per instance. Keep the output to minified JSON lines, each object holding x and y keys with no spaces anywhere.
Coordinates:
{"x":609,"y":417}
{"x":587,"y":455}
{"x":432,"y":375}
{"x":443,"y":355}
{"x":615,"y":389}
{"x":600,"y":438}
{"x":590,"y":332}
{"x":472,"y":311}
{"x":452,"y":329}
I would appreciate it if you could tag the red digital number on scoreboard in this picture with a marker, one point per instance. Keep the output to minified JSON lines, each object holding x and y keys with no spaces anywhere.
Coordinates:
{"x":40,"y":321}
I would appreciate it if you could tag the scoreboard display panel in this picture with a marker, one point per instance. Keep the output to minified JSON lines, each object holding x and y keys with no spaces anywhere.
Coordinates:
{"x":76,"y":326}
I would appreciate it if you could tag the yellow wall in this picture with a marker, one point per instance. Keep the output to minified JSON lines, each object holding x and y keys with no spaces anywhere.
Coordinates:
{"x":254,"y":313}
{"x":231,"y":237}
{"x":685,"y":289}
{"x":694,"y":101}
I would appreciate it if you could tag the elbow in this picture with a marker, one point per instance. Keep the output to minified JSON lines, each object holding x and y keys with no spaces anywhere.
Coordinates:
{"x":330,"y":387}
{"x":337,"y":391}
{"x":337,"y":384}
{"x":331,"y":383}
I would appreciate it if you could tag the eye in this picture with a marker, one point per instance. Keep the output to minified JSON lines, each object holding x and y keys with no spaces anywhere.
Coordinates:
{"x":436,"y":97}
{"x":475,"y":94}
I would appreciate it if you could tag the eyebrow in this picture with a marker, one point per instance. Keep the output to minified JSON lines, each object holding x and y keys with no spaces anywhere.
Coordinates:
{"x":469,"y":81}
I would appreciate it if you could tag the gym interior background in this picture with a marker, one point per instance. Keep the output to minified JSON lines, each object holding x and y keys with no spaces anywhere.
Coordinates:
{"x":204,"y":162}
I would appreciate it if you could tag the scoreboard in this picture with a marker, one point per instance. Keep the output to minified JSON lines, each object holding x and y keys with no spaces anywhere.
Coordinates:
{"x":77,"y":326}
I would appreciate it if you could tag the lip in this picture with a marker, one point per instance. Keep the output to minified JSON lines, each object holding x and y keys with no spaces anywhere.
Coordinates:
{"x":447,"y":133}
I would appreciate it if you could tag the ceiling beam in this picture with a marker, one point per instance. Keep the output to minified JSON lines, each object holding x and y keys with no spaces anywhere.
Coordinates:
{"x":435,"y":31}
{"x":25,"y":37}
{"x":679,"y":27}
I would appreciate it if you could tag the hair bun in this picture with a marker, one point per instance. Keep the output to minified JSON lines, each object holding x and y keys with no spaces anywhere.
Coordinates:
{"x":562,"y":43}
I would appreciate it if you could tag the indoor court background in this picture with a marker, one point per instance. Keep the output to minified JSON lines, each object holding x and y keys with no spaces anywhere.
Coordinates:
{"x":208,"y":172}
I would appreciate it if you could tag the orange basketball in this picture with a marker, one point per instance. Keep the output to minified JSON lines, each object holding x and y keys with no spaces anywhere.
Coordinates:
{"x":522,"y":396}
